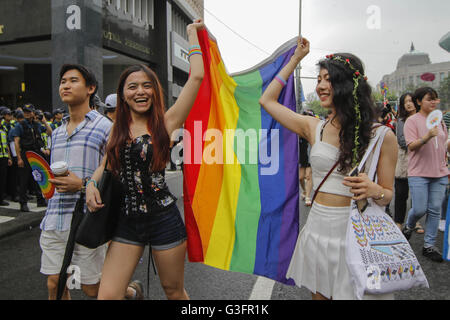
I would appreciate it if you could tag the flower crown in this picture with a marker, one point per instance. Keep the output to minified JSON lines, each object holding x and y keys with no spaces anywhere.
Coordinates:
{"x":357,"y":75}
{"x":346,"y":61}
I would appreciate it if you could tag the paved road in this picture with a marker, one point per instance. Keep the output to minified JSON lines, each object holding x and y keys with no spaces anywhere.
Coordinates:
{"x":20,"y":277}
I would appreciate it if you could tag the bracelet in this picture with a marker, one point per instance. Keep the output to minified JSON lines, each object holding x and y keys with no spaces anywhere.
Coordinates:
{"x":381,"y":197}
{"x":423,"y":141}
{"x":195,"y":46}
{"x":194,"y":51}
{"x":91,"y":180}
{"x":280,"y":80}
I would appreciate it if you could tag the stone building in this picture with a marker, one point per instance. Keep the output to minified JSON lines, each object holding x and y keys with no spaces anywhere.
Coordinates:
{"x":37,"y":37}
{"x":410,"y":67}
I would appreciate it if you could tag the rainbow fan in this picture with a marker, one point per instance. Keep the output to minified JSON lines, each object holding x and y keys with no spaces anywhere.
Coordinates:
{"x":41,"y":173}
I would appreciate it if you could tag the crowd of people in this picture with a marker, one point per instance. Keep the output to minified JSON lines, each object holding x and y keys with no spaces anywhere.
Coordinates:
{"x":28,"y":128}
{"x":132,"y":140}
{"x":405,"y":173}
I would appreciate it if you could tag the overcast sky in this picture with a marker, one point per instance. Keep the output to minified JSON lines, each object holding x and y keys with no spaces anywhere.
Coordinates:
{"x":331,"y":26}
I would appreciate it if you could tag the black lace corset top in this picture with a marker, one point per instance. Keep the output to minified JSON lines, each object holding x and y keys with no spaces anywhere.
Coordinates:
{"x":145,"y":191}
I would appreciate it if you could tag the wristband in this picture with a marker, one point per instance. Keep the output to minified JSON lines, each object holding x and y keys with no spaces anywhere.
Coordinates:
{"x":280,"y":80}
{"x":91,"y":180}
{"x":194,"y":51}
{"x":195,"y":46}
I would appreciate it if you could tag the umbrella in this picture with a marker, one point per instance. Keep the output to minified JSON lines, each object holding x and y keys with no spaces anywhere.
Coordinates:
{"x":76,"y":219}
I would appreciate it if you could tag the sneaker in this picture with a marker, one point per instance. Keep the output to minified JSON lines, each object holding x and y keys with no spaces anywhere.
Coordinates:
{"x":433,"y":254}
{"x":407,"y":232}
{"x":442,"y":225}
{"x":138,"y":288}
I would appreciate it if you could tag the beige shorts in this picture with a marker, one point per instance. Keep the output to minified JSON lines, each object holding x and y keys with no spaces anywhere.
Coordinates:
{"x":86,"y":266}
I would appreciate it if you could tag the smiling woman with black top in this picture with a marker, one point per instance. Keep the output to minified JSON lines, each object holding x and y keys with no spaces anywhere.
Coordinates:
{"x":137,"y":153}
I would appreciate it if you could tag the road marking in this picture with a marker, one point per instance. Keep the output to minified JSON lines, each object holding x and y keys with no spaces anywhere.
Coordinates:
{"x":32,"y":206}
{"x":262,"y":290}
{"x":5,"y":219}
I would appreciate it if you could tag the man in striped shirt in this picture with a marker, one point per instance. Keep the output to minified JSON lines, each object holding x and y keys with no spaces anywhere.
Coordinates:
{"x":81,"y":142}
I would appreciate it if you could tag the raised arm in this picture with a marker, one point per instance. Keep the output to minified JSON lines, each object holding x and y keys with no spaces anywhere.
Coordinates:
{"x":177,"y":114}
{"x":302,"y":125}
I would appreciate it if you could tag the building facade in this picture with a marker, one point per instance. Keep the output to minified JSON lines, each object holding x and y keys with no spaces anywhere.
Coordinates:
{"x":410,"y":68}
{"x":37,"y":37}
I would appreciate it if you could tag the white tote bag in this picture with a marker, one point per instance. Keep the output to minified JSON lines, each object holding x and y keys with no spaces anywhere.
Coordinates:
{"x":379,"y":257}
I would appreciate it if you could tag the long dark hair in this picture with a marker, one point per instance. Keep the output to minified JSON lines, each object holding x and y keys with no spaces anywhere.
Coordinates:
{"x":342,"y":82}
{"x":402,"y":113}
{"x":120,"y":132}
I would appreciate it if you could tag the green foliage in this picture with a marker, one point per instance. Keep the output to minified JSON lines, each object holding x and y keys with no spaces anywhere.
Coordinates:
{"x":378,"y":97}
{"x":312,"y":103}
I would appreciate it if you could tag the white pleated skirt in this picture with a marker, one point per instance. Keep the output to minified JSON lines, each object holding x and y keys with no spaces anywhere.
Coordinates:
{"x":318,"y":262}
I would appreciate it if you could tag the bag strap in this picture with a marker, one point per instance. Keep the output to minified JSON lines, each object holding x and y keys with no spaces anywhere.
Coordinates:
{"x":372,"y":144}
{"x":364,"y":159}
{"x":376,"y":154}
{"x":326,"y":177}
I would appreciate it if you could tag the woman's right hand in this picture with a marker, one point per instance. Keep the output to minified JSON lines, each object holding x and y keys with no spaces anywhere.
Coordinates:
{"x":302,"y":48}
{"x":93,"y":198}
{"x":433,"y":132}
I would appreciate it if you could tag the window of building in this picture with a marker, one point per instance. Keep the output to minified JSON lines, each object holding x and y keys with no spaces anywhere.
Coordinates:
{"x":141,"y":10}
{"x":129,"y":6}
{"x":442,"y":76}
{"x":179,"y":22}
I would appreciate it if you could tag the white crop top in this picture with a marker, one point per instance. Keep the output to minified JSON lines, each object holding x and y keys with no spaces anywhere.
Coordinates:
{"x":323,"y":157}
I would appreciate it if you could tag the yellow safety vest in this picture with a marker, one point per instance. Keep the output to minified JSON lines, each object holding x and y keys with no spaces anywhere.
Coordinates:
{"x":3,"y":145}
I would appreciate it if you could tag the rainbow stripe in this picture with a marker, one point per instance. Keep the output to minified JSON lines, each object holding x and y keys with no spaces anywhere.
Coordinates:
{"x":237,"y":216}
{"x":41,"y":173}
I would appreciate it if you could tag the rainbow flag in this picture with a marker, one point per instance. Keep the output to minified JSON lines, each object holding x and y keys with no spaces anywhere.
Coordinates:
{"x":446,"y":246}
{"x":241,"y":189}
{"x":41,"y":173}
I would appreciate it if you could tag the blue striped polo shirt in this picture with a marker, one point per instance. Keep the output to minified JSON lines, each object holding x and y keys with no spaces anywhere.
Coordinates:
{"x":83,"y":151}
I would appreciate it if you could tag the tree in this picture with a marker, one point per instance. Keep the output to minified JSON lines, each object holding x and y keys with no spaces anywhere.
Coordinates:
{"x":444,"y":93}
{"x":378,"y":97}
{"x":411,"y":87}
{"x":312,"y":103}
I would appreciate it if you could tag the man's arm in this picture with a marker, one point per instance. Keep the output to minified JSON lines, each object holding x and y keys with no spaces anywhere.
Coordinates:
{"x":20,"y":163}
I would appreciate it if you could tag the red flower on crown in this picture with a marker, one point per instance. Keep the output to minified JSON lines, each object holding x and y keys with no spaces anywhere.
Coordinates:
{"x":347,"y":60}
{"x":357,"y":73}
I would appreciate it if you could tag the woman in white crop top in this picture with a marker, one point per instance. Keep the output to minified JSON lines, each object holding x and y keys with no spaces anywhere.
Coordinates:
{"x":318,"y":262}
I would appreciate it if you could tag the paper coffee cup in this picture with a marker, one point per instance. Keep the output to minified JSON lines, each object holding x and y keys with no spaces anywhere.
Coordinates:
{"x":59,"y":168}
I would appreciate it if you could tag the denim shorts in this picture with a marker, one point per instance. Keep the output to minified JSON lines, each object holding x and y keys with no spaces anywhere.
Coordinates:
{"x":162,"y":230}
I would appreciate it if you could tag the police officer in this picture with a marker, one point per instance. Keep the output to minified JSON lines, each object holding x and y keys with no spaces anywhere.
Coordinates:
{"x":110,"y":108}
{"x":7,"y":122}
{"x":39,"y":117}
{"x":7,"y":125}
{"x":58,"y":116}
{"x":5,"y":162}
{"x":27,"y":137}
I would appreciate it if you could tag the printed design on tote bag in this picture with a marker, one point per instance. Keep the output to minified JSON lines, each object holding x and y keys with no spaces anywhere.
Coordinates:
{"x":382,"y":247}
